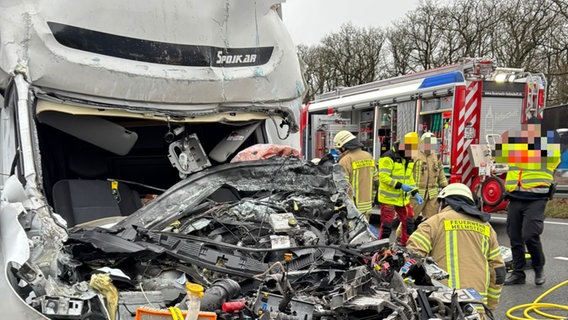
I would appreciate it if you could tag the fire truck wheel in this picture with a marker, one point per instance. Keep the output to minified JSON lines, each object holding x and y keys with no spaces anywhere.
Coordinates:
{"x":492,"y":191}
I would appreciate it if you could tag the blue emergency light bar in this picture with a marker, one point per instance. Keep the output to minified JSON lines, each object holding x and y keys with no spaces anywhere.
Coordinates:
{"x":442,"y":79}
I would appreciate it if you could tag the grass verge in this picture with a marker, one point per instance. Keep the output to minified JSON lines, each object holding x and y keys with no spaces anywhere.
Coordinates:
{"x":557,"y":208}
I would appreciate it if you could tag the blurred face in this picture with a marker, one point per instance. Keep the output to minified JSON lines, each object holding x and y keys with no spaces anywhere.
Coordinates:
{"x":410,"y":149}
{"x":428,"y":145}
{"x":529,"y":148}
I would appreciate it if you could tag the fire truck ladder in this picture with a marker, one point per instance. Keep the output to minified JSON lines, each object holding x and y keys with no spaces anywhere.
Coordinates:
{"x":534,"y":83}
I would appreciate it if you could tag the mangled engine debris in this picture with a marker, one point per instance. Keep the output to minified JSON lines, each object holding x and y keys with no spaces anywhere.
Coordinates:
{"x":272,"y":239}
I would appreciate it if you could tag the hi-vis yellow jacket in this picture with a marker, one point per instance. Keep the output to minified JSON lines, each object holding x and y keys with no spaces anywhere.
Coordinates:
{"x":429,"y":175}
{"x":526,"y":180}
{"x":465,"y":247}
{"x":360,"y":171}
{"x":393,"y":172}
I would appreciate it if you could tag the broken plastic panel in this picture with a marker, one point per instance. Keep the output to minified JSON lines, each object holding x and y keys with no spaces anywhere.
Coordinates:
{"x":187,"y":155}
{"x":100,"y":132}
{"x":231,"y":143}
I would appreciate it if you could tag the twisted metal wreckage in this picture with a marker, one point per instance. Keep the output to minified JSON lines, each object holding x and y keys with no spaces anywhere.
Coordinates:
{"x":268,"y":239}
{"x":105,"y":102}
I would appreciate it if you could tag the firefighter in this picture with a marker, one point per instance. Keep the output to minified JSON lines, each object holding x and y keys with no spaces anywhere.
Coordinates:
{"x":396,"y":186}
{"x":360,"y":171}
{"x":529,"y":186}
{"x":429,"y":175}
{"x":461,"y":241}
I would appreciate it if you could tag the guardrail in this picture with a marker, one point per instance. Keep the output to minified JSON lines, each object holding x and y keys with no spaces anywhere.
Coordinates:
{"x":561,"y":191}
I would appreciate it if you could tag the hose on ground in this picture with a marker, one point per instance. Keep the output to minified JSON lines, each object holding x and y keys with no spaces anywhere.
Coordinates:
{"x":536,"y":305}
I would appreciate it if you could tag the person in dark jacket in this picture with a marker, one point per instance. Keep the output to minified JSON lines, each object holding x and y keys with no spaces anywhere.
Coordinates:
{"x":532,"y":160}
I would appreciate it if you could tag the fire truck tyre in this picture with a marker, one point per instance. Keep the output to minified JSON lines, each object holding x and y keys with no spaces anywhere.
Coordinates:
{"x":492,"y":191}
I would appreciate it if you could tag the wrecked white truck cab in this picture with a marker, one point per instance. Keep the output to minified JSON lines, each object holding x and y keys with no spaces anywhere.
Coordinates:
{"x":150,"y":92}
{"x":145,"y":92}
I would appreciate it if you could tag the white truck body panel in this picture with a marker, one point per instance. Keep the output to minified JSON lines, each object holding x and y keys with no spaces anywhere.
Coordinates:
{"x":187,"y":57}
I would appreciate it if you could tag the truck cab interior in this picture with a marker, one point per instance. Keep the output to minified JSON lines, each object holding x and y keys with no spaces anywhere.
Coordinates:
{"x":110,"y":166}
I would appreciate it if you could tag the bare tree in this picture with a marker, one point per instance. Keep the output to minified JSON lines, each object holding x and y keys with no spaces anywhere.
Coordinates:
{"x":421,"y":36}
{"x":530,"y":35}
{"x":554,"y":60}
{"x":316,"y":72}
{"x":466,"y":29}
{"x":521,"y":31}
{"x":353,"y":55}
{"x":400,"y":47}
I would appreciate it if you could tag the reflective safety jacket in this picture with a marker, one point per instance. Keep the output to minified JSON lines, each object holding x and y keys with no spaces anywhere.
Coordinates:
{"x":466,"y":248}
{"x":429,"y":175}
{"x":394,"y":171}
{"x":360,"y":171}
{"x":525,"y":180}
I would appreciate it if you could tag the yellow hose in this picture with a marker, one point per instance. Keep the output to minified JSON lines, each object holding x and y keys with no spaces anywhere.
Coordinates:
{"x":536,"y":305}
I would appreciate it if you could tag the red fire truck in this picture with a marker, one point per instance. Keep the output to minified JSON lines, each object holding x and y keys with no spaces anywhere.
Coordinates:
{"x":466,"y":105}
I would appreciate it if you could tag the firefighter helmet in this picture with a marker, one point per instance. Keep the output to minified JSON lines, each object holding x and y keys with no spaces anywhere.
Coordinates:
{"x":429,"y":136}
{"x":456,"y":189}
{"x":411,"y":138}
{"x":409,"y":143}
{"x":342,"y":137}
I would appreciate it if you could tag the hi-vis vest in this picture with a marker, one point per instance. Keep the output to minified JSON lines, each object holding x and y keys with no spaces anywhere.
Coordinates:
{"x":536,"y":181}
{"x":360,"y":171}
{"x":391,"y":172}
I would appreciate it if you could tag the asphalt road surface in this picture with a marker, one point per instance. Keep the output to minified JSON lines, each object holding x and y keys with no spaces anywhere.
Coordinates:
{"x":555,"y":242}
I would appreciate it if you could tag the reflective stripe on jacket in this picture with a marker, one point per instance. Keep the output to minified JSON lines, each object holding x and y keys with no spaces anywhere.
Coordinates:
{"x":360,"y":171}
{"x":526,"y":180}
{"x":465,"y":247}
{"x":429,"y":175}
{"x":394,"y":171}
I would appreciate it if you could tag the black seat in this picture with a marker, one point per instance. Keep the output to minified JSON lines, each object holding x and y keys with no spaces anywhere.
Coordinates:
{"x":80,"y":201}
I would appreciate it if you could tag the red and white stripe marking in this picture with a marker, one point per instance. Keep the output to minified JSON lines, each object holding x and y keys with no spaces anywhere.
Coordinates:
{"x":468,"y":113}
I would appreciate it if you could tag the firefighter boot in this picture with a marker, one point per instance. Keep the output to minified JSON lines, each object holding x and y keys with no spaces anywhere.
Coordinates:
{"x":515,"y":278}
{"x":539,"y":278}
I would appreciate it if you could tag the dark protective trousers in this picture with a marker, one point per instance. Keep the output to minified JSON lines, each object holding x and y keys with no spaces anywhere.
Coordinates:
{"x":405,"y":216}
{"x":525,"y":224}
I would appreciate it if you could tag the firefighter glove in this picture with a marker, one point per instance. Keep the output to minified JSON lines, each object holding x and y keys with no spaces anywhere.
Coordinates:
{"x":406,"y":188}
{"x":419,"y":199}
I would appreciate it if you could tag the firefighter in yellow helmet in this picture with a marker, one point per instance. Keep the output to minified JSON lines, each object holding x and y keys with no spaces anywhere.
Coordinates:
{"x":359,"y":167}
{"x":429,"y":176}
{"x":397,"y":186}
{"x":461,"y":241}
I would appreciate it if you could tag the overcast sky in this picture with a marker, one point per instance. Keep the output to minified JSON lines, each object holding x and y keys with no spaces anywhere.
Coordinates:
{"x":309,"y":20}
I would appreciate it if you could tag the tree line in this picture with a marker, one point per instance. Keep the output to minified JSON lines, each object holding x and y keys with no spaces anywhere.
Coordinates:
{"x":517,"y":34}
